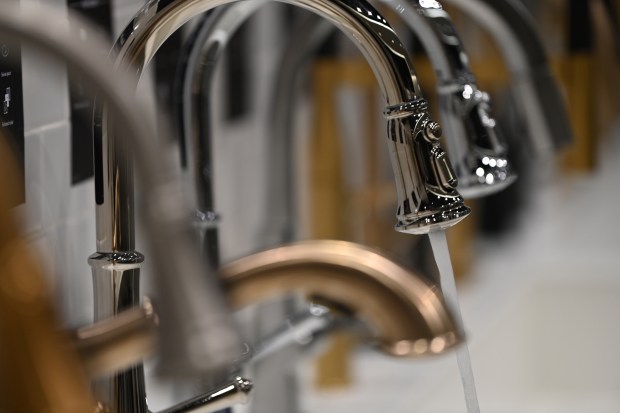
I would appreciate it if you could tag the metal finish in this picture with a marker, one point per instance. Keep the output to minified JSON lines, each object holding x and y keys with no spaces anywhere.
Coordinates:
{"x":427,"y":196}
{"x":199,"y":343}
{"x":235,"y":392}
{"x":534,"y":87}
{"x":302,"y":329}
{"x":407,"y":316}
{"x":475,"y":146}
{"x":402,"y":314}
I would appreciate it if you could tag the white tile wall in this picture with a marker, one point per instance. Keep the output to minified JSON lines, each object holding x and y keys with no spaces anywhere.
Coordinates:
{"x":58,"y":219}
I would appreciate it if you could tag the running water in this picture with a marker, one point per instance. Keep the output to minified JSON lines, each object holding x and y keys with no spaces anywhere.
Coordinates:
{"x":448,"y":288}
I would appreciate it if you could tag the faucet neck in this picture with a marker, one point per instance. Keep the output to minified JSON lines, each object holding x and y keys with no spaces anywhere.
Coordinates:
{"x":424,"y":180}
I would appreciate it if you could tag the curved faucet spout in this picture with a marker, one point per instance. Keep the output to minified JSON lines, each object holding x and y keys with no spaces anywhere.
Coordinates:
{"x":424,"y":178}
{"x":406,"y":315}
{"x":537,"y":94}
{"x":475,"y":147}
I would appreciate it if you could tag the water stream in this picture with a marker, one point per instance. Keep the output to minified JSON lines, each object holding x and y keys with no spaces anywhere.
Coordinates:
{"x":448,"y":288}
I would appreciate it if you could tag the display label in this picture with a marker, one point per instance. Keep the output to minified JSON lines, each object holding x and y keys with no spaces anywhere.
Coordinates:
{"x":12,"y":111}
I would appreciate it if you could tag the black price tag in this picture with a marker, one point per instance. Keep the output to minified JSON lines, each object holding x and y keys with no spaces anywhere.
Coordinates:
{"x":12,"y":108}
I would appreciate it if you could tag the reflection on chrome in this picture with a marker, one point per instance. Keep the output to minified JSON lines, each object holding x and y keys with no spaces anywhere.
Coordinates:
{"x":465,"y":110}
{"x":471,"y":132}
{"x":424,"y":178}
{"x":536,"y":92}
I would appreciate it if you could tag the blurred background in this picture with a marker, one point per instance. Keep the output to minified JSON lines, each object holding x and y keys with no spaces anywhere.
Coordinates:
{"x":535,"y":264}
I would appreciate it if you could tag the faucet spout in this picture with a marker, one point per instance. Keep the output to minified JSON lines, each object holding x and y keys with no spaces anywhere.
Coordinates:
{"x":425,"y":181}
{"x":407,"y":317}
{"x":477,"y":149}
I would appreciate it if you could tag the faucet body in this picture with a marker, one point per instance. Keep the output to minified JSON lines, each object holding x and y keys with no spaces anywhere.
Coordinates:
{"x":535,"y":90}
{"x":472,"y":139}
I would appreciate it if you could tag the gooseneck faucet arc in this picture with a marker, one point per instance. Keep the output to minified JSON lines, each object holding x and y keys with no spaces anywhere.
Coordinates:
{"x":476,"y":149}
{"x":425,"y":182}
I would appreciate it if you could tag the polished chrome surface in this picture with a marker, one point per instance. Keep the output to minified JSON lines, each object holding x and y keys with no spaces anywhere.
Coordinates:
{"x":476,"y":150}
{"x":471,"y":136}
{"x":427,"y":196}
{"x":116,"y":288}
{"x":406,"y":316}
{"x":301,"y":329}
{"x":235,"y":392}
{"x":535,"y":89}
{"x":199,"y":342}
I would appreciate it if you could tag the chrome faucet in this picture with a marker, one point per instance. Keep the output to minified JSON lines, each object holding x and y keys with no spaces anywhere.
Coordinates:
{"x":536,"y":92}
{"x":475,"y":148}
{"x":349,"y":286}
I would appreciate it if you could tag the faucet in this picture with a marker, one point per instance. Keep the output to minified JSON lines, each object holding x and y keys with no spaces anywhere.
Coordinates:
{"x":408,"y":317}
{"x":475,"y":147}
{"x":350,"y":287}
{"x":535,"y":90}
{"x":213,"y":340}
{"x":425,"y":182}
{"x":31,"y":380}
